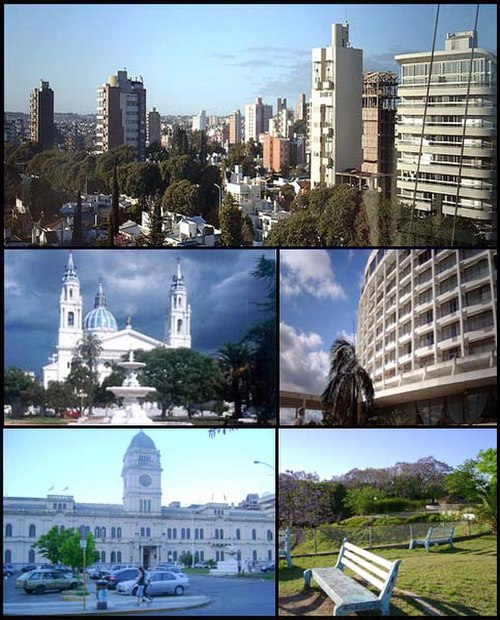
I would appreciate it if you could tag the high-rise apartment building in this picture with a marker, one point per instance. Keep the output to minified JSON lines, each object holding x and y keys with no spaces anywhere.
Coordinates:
{"x":335,"y":117}
{"x":300,"y":108}
{"x":427,"y":334}
{"x":235,"y":127}
{"x":121,"y":114}
{"x":200,"y":121}
{"x":42,"y":115}
{"x":154,"y":126}
{"x":276,"y":153}
{"x":379,"y":121}
{"x":449,"y":138}
{"x":257,"y":117}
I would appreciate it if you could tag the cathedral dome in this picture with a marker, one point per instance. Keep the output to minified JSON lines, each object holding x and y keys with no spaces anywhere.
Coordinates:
{"x":142,"y":441}
{"x":100,"y":318}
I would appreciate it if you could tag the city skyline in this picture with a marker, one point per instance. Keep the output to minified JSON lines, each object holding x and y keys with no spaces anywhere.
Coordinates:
{"x":196,"y":468}
{"x":136,"y":283}
{"x":268,"y":56}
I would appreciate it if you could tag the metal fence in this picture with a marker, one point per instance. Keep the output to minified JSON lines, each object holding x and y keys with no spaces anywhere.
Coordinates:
{"x":329,"y":539}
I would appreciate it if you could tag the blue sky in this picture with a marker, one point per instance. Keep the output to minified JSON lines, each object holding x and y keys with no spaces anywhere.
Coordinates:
{"x":213,"y":56}
{"x":220,"y":289}
{"x":196,"y":468}
{"x":319,"y":294}
{"x":333,"y":452}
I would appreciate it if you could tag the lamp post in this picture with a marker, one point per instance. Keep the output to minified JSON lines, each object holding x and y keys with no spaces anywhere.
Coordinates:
{"x":266,"y":464}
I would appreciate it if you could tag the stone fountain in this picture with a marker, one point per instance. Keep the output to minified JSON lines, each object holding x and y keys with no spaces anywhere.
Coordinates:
{"x":229,"y":566}
{"x":130,"y":391}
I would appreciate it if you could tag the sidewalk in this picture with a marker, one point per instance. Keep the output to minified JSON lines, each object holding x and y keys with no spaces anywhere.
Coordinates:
{"x":117,"y":604}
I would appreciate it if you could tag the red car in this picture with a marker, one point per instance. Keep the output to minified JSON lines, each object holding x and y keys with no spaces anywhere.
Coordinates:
{"x":72,"y":413}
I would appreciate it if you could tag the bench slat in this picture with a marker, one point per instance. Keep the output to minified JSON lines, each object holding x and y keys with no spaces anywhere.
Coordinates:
{"x":368,"y":565}
{"x":341,"y":588}
{"x":369,"y":556}
{"x":363,"y":573}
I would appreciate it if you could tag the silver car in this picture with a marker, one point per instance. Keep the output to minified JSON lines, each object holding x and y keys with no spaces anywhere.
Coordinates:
{"x":160,"y":582}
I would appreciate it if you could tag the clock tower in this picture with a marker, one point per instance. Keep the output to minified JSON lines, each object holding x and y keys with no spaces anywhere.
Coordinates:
{"x":141,"y":475}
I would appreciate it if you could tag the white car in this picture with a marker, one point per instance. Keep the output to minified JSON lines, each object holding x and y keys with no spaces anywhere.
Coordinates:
{"x":160,"y":582}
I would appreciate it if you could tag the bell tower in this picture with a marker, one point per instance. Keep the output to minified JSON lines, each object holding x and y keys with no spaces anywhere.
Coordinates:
{"x":178,"y":328}
{"x":141,"y":474}
{"x":70,"y":308}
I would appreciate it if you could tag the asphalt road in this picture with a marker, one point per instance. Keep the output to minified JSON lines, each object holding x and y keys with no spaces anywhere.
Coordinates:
{"x":229,"y":597}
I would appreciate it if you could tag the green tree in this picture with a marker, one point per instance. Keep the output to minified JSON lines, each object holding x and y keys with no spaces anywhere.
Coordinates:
{"x":231,"y":223}
{"x":83,"y":383}
{"x":186,"y":558}
{"x":140,"y":180}
{"x":77,"y":222}
{"x":348,"y":386}
{"x":72,"y":552}
{"x":104,"y":397}
{"x":105,"y":163}
{"x":59,"y":396}
{"x":235,"y":361}
{"x":15,"y":383}
{"x":113,"y":223}
{"x":179,"y":142}
{"x":182,"y":197}
{"x":464,"y":482}
{"x":24,"y":153}
{"x":181,"y":377}
{"x":156,"y":235}
{"x":50,"y":544}
{"x":363,"y":501}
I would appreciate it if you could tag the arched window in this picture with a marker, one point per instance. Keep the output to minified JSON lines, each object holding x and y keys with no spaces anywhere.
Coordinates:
{"x":174,"y":532}
{"x":179,"y":325}
{"x":188,"y":533}
{"x":118,"y":556}
{"x":113,"y":533}
{"x":169,"y":533}
{"x":269,"y":535}
{"x":254,"y":534}
{"x":238,"y":534}
{"x":269,"y":554}
{"x":201,"y":533}
{"x":196,"y":533}
{"x":113,"y":557}
{"x":32,"y":531}
{"x":118,"y":532}
{"x":103,"y":532}
{"x":217,"y":534}
{"x":148,"y":532}
{"x":71,"y":319}
{"x":31,"y":556}
{"x":183,"y":533}
{"x":97,"y":532}
{"x":174,"y":556}
{"x":143,"y":532}
{"x":254,"y":555}
{"x":103,"y":556}
{"x":8,"y":556}
{"x":221,"y":533}
{"x":8,"y":530}
{"x":71,"y":292}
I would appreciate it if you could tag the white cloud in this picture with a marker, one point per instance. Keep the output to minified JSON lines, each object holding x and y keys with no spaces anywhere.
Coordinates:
{"x":303,"y":364}
{"x":345,"y":335}
{"x":309,"y":272}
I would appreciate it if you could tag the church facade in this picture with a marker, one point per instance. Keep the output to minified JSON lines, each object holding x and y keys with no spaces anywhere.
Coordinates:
{"x":115,"y":342}
{"x":141,"y":530}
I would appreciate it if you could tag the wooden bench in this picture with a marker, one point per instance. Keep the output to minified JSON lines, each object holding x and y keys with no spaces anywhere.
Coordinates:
{"x":284,"y":546}
{"x":347,"y":593}
{"x":434,"y":537}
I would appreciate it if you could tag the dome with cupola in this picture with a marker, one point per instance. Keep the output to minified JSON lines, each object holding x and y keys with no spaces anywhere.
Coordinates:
{"x":100,"y":318}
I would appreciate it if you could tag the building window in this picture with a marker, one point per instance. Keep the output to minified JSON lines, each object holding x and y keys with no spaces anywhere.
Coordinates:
{"x":183,"y":533}
{"x":201,"y":533}
{"x":118,"y":556}
{"x":188,"y":533}
{"x":169,"y":533}
{"x":238,"y":534}
{"x":31,"y":556}
{"x":113,"y":557}
{"x":254,"y":534}
{"x":32,"y":531}
{"x":118,"y":532}
{"x":8,"y":530}
{"x":71,"y":319}
{"x":179,"y":325}
{"x":148,"y":532}
{"x":8,"y":556}
{"x":97,"y":532}
{"x":174,"y":533}
{"x":103,"y":532}
{"x":254,"y":555}
{"x":269,"y":535}
{"x":196,"y":533}
{"x":113,"y":533}
{"x":143,"y":532}
{"x":103,"y":556}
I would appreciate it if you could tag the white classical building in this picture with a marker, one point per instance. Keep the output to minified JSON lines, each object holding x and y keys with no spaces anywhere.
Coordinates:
{"x":427,"y":334}
{"x":115,"y":342}
{"x":141,"y":530}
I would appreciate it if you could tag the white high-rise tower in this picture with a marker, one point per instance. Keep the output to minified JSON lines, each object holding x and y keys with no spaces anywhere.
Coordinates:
{"x":178,"y":328}
{"x":70,"y":316}
{"x":141,"y":474}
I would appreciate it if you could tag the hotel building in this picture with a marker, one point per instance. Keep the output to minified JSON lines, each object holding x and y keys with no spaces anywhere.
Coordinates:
{"x":444,"y":141}
{"x":427,"y":335}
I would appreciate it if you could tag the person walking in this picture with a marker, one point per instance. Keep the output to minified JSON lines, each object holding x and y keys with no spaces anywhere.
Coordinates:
{"x":142,"y":585}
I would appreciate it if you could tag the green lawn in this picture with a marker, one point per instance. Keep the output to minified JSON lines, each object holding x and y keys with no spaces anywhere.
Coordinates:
{"x":457,"y":582}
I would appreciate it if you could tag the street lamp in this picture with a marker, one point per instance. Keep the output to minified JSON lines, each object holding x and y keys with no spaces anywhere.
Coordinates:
{"x":262,"y":463}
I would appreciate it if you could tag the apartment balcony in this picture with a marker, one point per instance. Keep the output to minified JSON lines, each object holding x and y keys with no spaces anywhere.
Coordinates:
{"x":424,"y":350}
{"x":479,"y":334}
{"x":424,"y":305}
{"x":446,"y":319}
{"x":422,"y":286}
{"x":390,"y":364}
{"x":379,"y":353}
{"x":404,"y":338}
{"x":478,"y":307}
{"x":446,"y":273}
{"x":405,"y":297}
{"x":483,"y":277}
{"x":447,"y":295}
{"x":451,"y":341}
{"x":472,"y":258}
{"x":389,"y":346}
{"x":421,"y":267}
{"x":404,"y":359}
{"x":404,"y":261}
{"x":389,"y":382}
{"x":477,"y":361}
{"x":424,"y":329}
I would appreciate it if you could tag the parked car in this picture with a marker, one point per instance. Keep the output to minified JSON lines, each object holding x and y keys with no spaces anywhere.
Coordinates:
{"x":160,"y":582}
{"x":125,"y":574}
{"x":268,"y":568}
{"x":8,"y":570}
{"x":7,"y":410}
{"x":28,"y":567}
{"x":202,"y":565}
{"x":116,"y":567}
{"x":97,"y":571}
{"x":31,"y":410}
{"x":173,"y":568}
{"x":39,"y":581}
{"x":72,"y":413}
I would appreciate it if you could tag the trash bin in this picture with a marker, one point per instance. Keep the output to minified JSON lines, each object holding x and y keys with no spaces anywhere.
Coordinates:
{"x":102,"y":593}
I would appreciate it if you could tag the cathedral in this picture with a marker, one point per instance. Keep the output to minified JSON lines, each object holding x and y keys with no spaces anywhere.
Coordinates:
{"x":141,"y":530}
{"x":115,"y":342}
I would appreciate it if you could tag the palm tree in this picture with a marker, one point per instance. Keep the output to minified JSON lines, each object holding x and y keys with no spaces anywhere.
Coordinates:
{"x":348,"y":386}
{"x":235,"y":361}
{"x":88,"y":351}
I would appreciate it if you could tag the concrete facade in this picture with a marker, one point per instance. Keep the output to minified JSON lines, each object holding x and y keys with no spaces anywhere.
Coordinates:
{"x":257,"y":117}
{"x":42,"y":115}
{"x":154,"y":126}
{"x":444,"y":128}
{"x":335,"y":123}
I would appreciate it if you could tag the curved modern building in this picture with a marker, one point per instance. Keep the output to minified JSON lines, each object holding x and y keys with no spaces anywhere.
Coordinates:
{"x":427,"y":334}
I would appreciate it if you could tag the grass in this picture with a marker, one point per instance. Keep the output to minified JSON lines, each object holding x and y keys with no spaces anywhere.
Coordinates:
{"x":36,"y":420}
{"x":457,"y":582}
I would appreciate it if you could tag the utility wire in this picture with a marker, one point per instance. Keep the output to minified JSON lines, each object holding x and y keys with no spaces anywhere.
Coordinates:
{"x":410,"y":232}
{"x":459,"y":180}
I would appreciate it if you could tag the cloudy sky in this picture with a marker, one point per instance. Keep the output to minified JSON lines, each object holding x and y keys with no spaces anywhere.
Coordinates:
{"x":319,"y":293}
{"x":212,"y":56}
{"x":221,"y":291}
